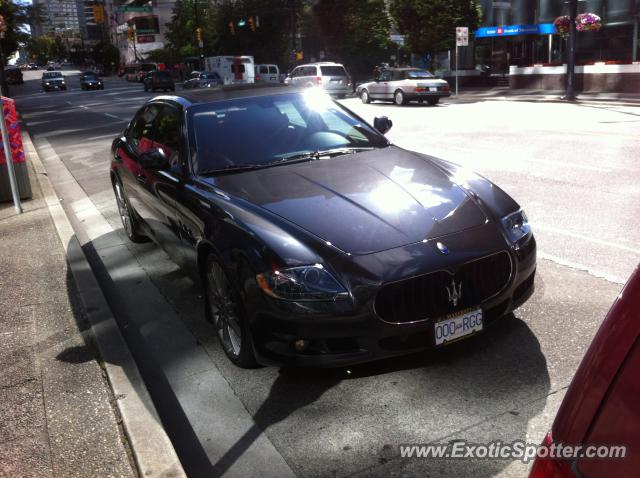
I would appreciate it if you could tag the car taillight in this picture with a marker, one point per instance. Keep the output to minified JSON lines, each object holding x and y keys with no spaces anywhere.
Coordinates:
{"x":445,"y":87}
{"x":318,"y":80}
{"x":550,"y":467}
{"x":258,"y":78}
{"x":420,"y":88}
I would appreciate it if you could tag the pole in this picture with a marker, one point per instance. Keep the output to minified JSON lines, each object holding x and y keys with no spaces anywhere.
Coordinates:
{"x":7,"y":156}
{"x":634,"y":44}
{"x":456,"y":69}
{"x":571,"y":60}
{"x":550,"y":48}
{"x":200,"y":44}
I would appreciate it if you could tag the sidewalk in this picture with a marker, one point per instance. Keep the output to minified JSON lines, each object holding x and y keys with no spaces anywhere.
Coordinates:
{"x":506,"y":93}
{"x":57,"y":411}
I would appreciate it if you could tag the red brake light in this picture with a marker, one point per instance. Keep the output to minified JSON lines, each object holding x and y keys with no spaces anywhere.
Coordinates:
{"x":548,"y":467}
{"x":319,"y":80}
{"x":257,"y":77}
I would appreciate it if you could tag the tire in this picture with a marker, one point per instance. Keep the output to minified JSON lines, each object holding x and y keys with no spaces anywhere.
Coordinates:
{"x":364,"y":96}
{"x":433,"y":101}
{"x":145,"y":88}
{"x":227,"y":314}
{"x":398,"y":98}
{"x":127,"y":214}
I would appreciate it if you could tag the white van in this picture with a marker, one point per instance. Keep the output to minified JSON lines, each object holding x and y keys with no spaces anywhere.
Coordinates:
{"x":232,"y":69}
{"x":267,"y":74}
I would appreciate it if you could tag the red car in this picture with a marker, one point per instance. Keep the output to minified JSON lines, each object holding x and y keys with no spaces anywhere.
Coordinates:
{"x":602,"y":406}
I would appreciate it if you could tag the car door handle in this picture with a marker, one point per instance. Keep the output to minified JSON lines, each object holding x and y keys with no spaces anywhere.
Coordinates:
{"x":141,"y":178}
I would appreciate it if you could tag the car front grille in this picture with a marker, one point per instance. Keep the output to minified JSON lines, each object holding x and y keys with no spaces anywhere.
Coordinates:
{"x":427,"y":296}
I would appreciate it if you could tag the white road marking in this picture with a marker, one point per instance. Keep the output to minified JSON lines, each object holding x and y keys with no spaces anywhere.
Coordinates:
{"x":113,"y":116}
{"x":581,"y":267}
{"x":593,"y":240}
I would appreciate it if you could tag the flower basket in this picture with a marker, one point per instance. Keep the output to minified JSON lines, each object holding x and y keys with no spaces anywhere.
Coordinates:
{"x":588,"y":22}
{"x":562,"y":25}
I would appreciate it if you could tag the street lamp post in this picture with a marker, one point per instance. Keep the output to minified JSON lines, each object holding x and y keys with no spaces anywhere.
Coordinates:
{"x":571,"y":60}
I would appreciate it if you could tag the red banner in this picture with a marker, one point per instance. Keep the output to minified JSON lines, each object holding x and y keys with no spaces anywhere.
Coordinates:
{"x":15,"y":138}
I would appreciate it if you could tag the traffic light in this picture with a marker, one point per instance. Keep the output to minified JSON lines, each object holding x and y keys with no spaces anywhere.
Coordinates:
{"x":232,"y":28}
{"x":199,"y":34}
{"x":252,"y":24}
{"x":131,"y":34}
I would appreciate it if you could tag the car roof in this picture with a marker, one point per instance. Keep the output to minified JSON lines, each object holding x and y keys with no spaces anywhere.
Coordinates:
{"x":229,"y":92}
{"x":323,"y":63}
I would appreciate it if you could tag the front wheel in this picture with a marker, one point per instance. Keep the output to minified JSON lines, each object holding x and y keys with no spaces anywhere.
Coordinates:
{"x":127,"y":215}
{"x":227,"y":315}
{"x":364,"y":97}
{"x":398,"y":98}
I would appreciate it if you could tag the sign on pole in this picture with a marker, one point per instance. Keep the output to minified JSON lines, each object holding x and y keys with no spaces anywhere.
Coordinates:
{"x":462,"y":36}
{"x":462,"y":39}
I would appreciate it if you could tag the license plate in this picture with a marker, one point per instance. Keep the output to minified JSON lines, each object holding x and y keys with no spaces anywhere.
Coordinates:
{"x":433,"y":88}
{"x":454,"y":327}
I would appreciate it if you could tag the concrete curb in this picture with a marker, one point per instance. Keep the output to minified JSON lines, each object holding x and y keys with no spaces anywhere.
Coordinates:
{"x":152,"y":450}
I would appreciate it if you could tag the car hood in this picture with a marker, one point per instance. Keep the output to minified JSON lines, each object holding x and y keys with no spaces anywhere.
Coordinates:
{"x":54,"y":80}
{"x":361,"y":203}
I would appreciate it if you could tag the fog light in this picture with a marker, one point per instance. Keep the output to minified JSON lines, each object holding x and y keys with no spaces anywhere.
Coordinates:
{"x":300,"y":345}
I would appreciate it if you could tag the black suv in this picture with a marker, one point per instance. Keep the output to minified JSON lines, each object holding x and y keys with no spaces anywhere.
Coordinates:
{"x":158,"y":80}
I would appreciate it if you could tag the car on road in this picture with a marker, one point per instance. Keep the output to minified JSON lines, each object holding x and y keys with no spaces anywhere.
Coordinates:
{"x":90,"y":81}
{"x":332,"y":77}
{"x":158,"y":80}
{"x":601,"y":404}
{"x":53,"y":80}
{"x":402,"y":85}
{"x":202,"y":79}
{"x":267,"y":73}
{"x":32,"y":66}
{"x":317,"y":241}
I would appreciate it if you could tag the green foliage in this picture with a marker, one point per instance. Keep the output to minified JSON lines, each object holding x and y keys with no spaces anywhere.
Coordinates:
{"x":17,"y":16}
{"x":105,"y":54}
{"x":187,"y":16}
{"x":355,"y":32}
{"x":429,"y":25}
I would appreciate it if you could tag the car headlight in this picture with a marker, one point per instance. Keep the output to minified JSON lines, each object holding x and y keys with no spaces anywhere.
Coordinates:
{"x":305,"y":283}
{"x":517,"y":225}
{"x":47,"y":83}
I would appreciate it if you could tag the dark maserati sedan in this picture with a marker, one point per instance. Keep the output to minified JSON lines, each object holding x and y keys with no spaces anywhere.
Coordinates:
{"x":317,"y":242}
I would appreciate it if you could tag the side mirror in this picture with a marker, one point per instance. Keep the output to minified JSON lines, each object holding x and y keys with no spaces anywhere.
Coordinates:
{"x":382,"y":124}
{"x":154,"y":160}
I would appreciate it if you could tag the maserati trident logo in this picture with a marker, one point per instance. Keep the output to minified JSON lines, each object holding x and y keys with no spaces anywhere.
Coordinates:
{"x":455,"y":293}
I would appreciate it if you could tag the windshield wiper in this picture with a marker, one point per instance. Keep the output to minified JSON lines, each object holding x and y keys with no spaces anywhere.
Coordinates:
{"x":232,"y":168}
{"x":317,"y":154}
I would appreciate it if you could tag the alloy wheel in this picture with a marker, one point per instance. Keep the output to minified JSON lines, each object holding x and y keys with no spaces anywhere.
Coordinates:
{"x":399,"y":98}
{"x":364,"y":96}
{"x":123,"y":209}
{"x":224,"y":310}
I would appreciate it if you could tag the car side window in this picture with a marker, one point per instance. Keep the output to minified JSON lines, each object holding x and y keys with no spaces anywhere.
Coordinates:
{"x":385,"y":76}
{"x":273,"y":69}
{"x":295,"y":73}
{"x":140,"y":133}
{"x":167,"y":136}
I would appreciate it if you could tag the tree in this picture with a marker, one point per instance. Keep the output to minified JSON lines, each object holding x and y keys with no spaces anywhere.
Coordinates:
{"x":355,"y":32}
{"x":429,"y":25}
{"x":40,"y":48}
{"x":105,"y":54}
{"x":17,"y":15}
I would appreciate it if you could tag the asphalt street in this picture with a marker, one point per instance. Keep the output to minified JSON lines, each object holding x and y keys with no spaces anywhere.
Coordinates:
{"x":572,"y":168}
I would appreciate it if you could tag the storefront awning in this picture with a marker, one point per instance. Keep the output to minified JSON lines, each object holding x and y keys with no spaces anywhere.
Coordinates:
{"x":512,"y":30}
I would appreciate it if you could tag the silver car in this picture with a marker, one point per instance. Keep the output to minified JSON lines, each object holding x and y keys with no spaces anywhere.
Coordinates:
{"x":202,"y":79}
{"x":402,"y":85}
{"x":332,"y":77}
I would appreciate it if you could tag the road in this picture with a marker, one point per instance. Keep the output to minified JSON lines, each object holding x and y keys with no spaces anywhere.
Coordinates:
{"x":572,"y":169}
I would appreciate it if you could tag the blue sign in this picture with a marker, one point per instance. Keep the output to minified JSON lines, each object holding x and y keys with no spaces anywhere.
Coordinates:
{"x":511,"y":30}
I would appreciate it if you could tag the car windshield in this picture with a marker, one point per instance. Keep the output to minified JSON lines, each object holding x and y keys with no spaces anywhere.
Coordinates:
{"x":333,"y":71}
{"x":268,"y":130}
{"x":90,"y":76}
{"x":52,"y":75}
{"x":211,"y":76}
{"x":418,"y":74}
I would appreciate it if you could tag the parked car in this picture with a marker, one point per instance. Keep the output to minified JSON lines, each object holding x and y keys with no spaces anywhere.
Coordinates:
{"x":158,"y":80}
{"x":267,"y":73}
{"x":202,"y":79}
{"x":90,"y":81}
{"x":333,"y":77}
{"x":402,"y":85}
{"x":318,"y":242}
{"x":53,"y":80}
{"x":601,"y":404}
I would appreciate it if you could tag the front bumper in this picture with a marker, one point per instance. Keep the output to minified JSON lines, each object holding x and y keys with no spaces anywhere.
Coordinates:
{"x":341,"y":334}
{"x":92,"y":86}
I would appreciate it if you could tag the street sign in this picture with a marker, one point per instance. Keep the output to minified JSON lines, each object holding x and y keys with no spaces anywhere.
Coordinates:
{"x":462,"y":36}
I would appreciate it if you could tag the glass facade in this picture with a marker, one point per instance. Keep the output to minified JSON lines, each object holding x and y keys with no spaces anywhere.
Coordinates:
{"x":616,"y":42}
